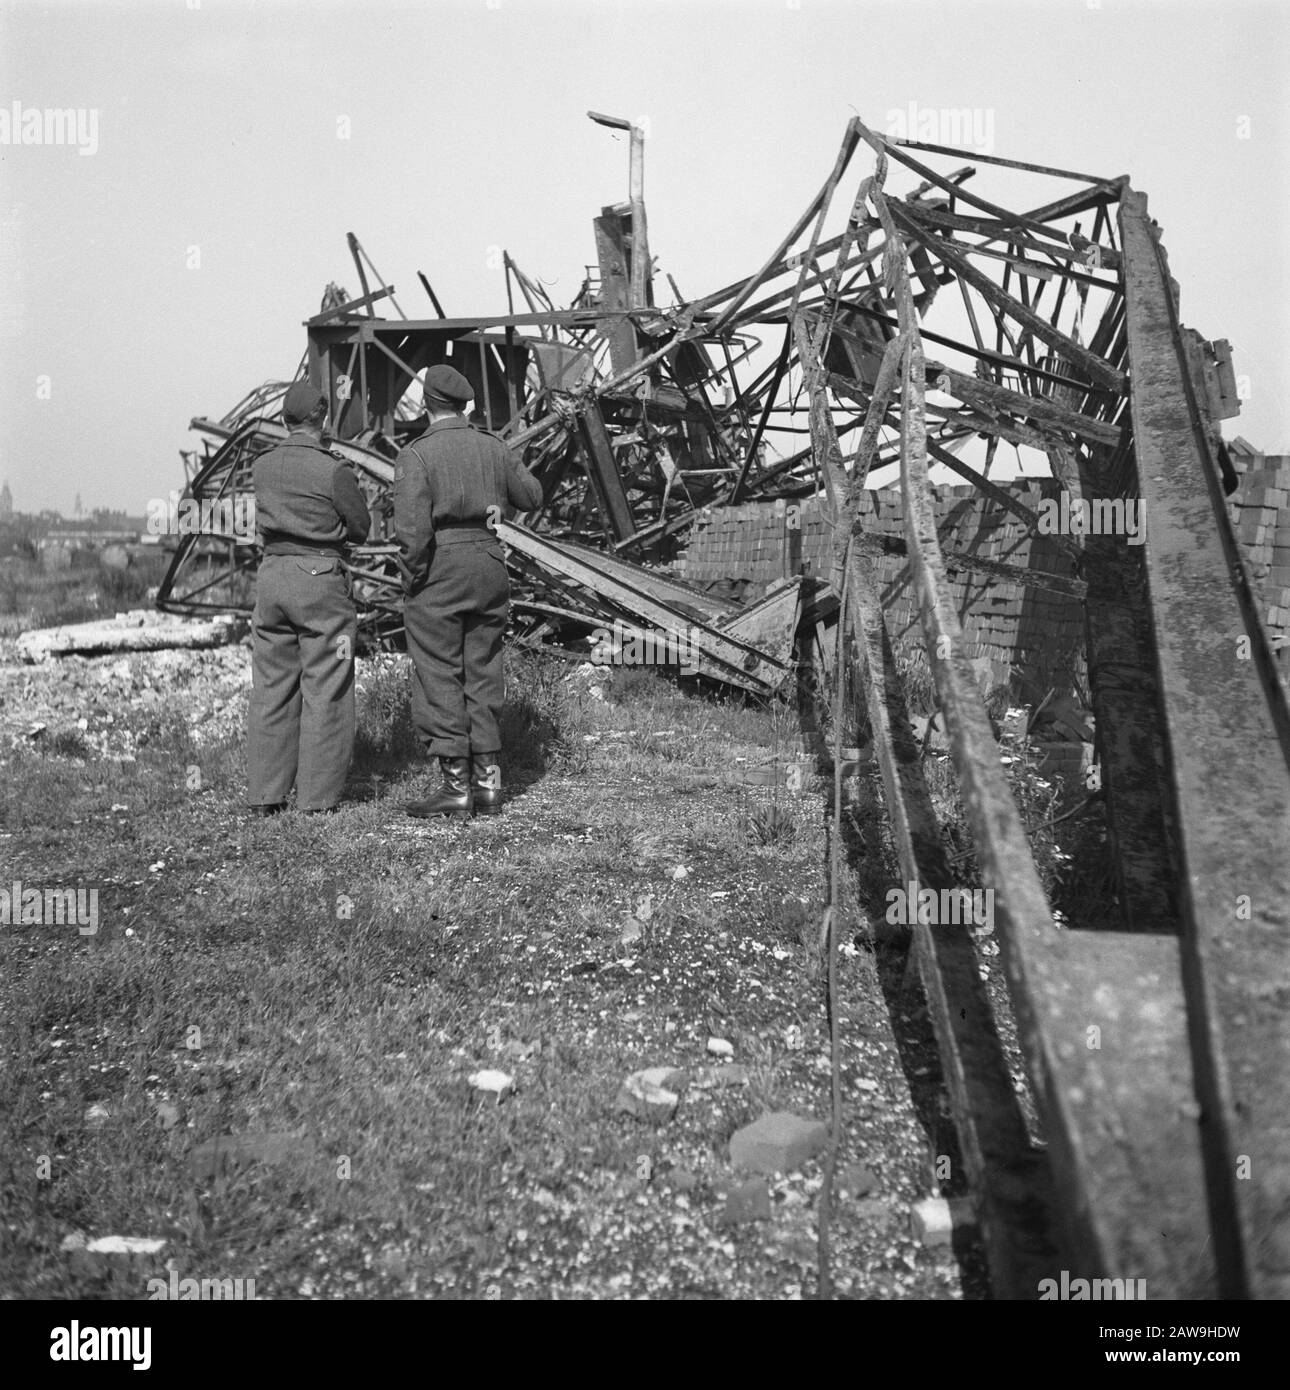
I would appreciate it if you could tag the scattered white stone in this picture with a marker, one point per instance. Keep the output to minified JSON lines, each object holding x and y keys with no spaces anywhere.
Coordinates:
{"x":935,"y":1219}
{"x":491,"y":1080}
{"x":680,"y":872}
{"x":125,"y":1245}
{"x":719,"y":1047}
{"x":648,"y":1095}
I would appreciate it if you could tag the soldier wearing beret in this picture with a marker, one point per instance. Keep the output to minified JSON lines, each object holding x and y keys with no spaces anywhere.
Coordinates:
{"x":308,"y":507}
{"x":448,"y":485}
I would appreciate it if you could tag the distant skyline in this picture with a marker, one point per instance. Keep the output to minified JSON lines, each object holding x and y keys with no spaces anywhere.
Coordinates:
{"x":159,"y":252}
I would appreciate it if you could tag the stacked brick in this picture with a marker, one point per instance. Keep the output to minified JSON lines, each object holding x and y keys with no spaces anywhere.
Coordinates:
{"x":1031,"y":638}
{"x":1260,"y":512}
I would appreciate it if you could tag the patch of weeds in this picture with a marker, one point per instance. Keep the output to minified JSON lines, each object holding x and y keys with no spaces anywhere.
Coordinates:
{"x":772,"y":825}
{"x":67,"y":743}
{"x":164,"y":731}
{"x":544,"y":718}
{"x":386,"y":734}
{"x":638,"y":685}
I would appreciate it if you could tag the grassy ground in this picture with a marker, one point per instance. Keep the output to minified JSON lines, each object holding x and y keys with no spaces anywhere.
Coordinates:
{"x":32,"y":598}
{"x":333,"y":982}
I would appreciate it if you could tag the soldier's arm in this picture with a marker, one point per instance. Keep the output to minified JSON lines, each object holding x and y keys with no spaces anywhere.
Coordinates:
{"x":523,"y":491}
{"x":413,"y":525}
{"x":348,"y":501}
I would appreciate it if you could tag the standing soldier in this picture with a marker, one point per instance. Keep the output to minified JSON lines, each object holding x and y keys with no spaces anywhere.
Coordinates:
{"x":448,"y":485}
{"x":307,"y":507}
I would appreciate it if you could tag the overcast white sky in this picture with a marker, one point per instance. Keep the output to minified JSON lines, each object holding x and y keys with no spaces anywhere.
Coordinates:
{"x":219,"y":122}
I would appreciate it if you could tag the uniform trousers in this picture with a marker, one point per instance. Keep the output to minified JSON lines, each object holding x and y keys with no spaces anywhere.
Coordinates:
{"x":301,"y":724}
{"x":455,"y":623}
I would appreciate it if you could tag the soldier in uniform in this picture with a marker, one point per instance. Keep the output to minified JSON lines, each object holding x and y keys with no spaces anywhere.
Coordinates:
{"x":307,"y":508}
{"x":448,"y":485}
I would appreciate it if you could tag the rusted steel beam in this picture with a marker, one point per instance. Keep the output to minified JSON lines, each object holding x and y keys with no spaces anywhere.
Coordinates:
{"x":781,"y":367}
{"x":1114,"y":1194}
{"x":882,"y":146}
{"x":1123,"y":689}
{"x":351,"y":306}
{"x":1014,"y":1195}
{"x":849,"y":142}
{"x":877,"y":546}
{"x":1219,"y":698}
{"x":1097,"y":368}
{"x":978,"y":158}
{"x":1036,"y":410}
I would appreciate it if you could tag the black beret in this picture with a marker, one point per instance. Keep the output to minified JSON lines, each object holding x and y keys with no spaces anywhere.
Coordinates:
{"x":447,"y":386}
{"x":301,"y":402}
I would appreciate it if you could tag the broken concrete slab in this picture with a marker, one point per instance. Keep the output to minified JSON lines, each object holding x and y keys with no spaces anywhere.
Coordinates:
{"x":136,"y":631}
{"x":779,"y":1142}
{"x":648,"y":1095}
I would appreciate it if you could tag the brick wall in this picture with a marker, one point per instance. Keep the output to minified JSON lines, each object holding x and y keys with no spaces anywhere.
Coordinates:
{"x":1260,"y":512}
{"x":1032,"y":638}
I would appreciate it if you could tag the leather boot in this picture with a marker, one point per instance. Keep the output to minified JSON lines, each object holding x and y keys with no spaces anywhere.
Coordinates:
{"x":486,"y":783}
{"x":453,"y":797}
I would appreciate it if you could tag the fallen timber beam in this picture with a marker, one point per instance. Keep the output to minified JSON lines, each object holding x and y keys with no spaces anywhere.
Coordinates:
{"x":1123,"y":1145}
{"x":1219,"y":696}
{"x":718,"y":653}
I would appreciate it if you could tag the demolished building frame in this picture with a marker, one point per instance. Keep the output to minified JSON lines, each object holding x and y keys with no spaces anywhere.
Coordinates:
{"x":637,"y":418}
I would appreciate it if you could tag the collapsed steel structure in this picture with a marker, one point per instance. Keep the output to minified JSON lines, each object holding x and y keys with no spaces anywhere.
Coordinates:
{"x":935,"y":328}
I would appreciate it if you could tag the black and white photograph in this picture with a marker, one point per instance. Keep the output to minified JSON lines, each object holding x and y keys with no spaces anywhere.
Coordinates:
{"x":644,"y":651}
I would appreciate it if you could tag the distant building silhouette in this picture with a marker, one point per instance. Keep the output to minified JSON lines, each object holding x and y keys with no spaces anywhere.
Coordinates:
{"x":6,"y":503}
